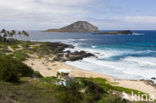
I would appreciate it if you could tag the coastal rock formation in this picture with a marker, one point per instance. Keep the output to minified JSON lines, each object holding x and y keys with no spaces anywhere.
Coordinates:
{"x":79,"y":26}
{"x":78,"y":56}
{"x":61,"y":55}
{"x":72,"y":56}
{"x":117,"y":32}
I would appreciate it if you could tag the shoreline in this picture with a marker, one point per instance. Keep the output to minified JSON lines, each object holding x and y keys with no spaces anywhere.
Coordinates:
{"x":48,"y":69}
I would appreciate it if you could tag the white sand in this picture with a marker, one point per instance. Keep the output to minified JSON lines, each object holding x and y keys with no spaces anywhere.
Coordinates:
{"x":138,"y":85}
{"x":50,"y":69}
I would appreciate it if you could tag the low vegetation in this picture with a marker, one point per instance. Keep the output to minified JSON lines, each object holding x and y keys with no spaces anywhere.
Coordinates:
{"x":45,"y":90}
{"x":12,"y":69}
{"x":20,"y":50}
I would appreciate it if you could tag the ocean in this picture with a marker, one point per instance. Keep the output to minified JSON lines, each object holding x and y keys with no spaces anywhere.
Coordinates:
{"x":120,"y":56}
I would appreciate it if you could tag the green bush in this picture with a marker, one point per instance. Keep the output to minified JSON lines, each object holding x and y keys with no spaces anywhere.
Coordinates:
{"x":14,"y":46}
{"x":93,"y":91}
{"x":69,"y":95}
{"x":20,"y":55}
{"x":8,"y":73}
{"x":11,"y":69}
{"x":37,"y":74}
{"x":26,"y":44}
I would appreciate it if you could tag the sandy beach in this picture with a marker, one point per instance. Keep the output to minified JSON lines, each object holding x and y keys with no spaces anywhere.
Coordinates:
{"x":50,"y":69}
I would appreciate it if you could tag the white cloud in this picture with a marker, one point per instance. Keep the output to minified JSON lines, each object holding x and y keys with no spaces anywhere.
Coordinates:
{"x":45,"y":14}
{"x":31,"y":14}
{"x":67,"y":2}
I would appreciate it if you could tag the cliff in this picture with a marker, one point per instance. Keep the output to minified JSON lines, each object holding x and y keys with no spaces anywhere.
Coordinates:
{"x":79,"y":26}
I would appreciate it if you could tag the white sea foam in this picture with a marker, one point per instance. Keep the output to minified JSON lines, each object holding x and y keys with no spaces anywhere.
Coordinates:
{"x":142,"y":61}
{"x":129,"y":67}
{"x":107,"y":52}
{"x":93,"y":46}
{"x":137,"y":33}
{"x":67,"y":41}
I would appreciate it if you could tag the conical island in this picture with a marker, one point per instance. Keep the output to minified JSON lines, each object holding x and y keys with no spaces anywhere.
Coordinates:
{"x":79,"y":26}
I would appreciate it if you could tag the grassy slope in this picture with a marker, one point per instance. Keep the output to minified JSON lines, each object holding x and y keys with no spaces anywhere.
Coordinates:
{"x":44,"y":90}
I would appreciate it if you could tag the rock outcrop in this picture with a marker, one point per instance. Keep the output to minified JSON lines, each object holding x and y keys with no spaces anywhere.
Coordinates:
{"x":62,"y":56}
{"x":72,"y":56}
{"x":80,"y":26}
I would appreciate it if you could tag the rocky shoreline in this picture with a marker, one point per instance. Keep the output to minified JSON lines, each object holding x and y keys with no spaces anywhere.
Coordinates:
{"x":64,"y":56}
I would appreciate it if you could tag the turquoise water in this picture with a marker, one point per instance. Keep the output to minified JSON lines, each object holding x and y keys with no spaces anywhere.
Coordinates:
{"x":121,"y":56}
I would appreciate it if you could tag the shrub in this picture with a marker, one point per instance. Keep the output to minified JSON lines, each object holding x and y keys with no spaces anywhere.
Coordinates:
{"x":69,"y":94}
{"x":37,"y":74}
{"x":26,"y":44}
{"x":14,"y":47}
{"x":8,"y":73}
{"x":93,"y":90}
{"x":11,"y":69}
{"x":20,"y":55}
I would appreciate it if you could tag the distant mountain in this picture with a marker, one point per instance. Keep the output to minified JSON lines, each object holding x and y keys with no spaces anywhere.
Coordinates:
{"x":79,"y":26}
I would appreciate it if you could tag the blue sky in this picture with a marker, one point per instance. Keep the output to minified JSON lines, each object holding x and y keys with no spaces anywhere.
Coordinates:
{"x":106,"y":14}
{"x":136,"y":7}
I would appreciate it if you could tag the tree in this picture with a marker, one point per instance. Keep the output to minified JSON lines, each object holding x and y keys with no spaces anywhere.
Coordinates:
{"x":19,"y":33}
{"x":3,"y":31}
{"x":25,"y":34}
{"x":7,"y":34}
{"x":4,"y":34}
{"x":14,"y":33}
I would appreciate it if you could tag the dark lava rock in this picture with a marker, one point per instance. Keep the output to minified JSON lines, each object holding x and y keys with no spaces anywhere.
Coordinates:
{"x":72,"y":56}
